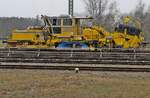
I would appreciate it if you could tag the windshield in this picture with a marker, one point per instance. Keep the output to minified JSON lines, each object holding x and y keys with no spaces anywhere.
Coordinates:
{"x":133,"y":31}
{"x":130,"y":30}
{"x":121,"y":28}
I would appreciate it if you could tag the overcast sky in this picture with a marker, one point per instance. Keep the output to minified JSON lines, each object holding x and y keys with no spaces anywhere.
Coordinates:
{"x":30,"y":8}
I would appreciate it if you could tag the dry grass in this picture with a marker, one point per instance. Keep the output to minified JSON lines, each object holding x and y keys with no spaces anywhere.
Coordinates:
{"x":58,"y":84}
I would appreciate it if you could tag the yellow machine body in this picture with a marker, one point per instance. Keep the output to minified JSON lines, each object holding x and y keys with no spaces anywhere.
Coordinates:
{"x":25,"y":35}
{"x":126,"y":36}
{"x":95,"y":33}
{"x":55,"y":30}
{"x":125,"y":40}
{"x":70,"y":29}
{"x":27,"y":38}
{"x":66,"y":29}
{"x":98,"y":34}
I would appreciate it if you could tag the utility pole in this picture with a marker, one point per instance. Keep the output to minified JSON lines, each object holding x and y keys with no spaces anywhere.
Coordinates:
{"x":71,"y":7}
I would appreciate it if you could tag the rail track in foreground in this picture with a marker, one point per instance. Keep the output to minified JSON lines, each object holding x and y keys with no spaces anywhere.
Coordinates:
{"x":15,"y":58}
{"x":76,"y":56}
{"x":71,"y":68}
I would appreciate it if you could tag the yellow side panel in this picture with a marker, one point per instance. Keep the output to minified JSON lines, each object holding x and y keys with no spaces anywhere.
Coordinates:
{"x":23,"y":36}
{"x":119,"y":41}
{"x":67,"y":29}
{"x":89,"y":34}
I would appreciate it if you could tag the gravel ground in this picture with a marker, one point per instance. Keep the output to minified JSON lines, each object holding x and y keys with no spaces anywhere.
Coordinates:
{"x":68,"y":84}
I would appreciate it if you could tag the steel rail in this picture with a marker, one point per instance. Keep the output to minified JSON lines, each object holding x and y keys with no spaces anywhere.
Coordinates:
{"x":81,"y":68}
{"x":76,"y":61}
{"x":76,"y":49}
{"x":110,"y":56}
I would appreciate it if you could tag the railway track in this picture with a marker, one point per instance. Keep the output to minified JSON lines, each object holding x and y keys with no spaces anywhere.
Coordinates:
{"x":76,"y":56}
{"x":14,"y":58}
{"x":71,"y":67}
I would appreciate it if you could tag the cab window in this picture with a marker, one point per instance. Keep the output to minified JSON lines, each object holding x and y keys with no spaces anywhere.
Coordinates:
{"x":67,"y":22}
{"x":133,"y":31}
{"x":56,"y":22}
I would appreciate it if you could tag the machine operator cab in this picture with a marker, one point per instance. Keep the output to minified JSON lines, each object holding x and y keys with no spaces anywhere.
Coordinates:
{"x":65,"y":29}
{"x":128,"y":30}
{"x":128,"y":36}
{"x":66,"y":24}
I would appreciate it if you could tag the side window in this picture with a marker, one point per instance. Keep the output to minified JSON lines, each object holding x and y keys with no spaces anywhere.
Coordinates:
{"x":56,"y":22}
{"x":57,"y":30}
{"x":67,"y":22}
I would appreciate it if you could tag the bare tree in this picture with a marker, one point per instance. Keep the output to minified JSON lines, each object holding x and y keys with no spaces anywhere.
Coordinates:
{"x":146,"y":24}
{"x":96,"y":9}
{"x":111,"y":16}
{"x":103,"y":11}
{"x":148,"y":10}
{"x":139,"y":10}
{"x":143,"y":15}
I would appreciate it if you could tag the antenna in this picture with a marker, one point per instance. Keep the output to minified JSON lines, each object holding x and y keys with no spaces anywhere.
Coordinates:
{"x":71,"y":7}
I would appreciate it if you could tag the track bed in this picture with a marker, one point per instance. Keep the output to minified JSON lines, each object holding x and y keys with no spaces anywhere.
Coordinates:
{"x":47,"y":58}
